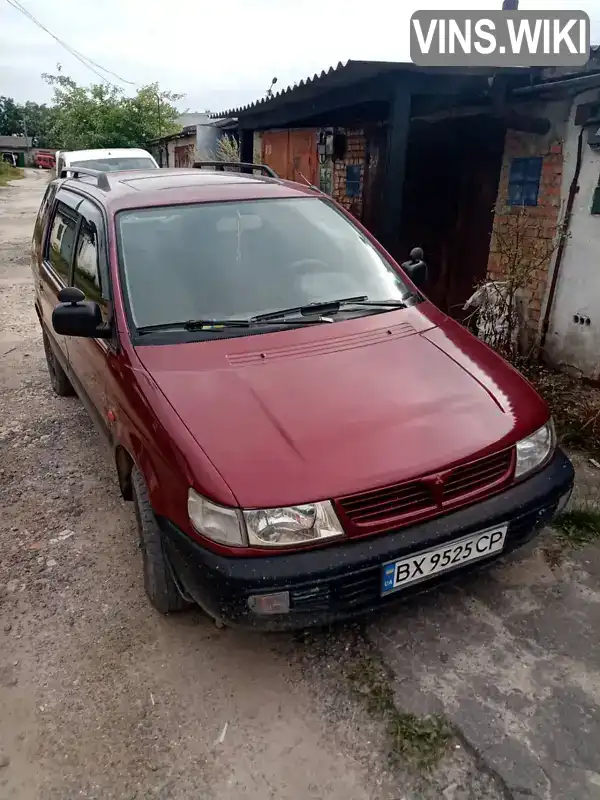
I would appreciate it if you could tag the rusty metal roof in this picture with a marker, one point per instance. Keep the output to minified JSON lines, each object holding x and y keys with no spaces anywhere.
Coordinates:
{"x":341,"y":75}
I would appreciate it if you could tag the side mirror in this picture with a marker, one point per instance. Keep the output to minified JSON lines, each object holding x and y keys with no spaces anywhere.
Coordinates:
{"x":416,"y":268}
{"x":76,"y":316}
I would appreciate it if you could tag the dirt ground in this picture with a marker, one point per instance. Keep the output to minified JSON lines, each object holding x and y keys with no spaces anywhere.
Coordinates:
{"x":101,"y":697}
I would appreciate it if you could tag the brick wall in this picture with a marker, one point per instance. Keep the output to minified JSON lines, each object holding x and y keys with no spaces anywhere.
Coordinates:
{"x":531,"y":229}
{"x":355,"y":154}
{"x":257,"y":147}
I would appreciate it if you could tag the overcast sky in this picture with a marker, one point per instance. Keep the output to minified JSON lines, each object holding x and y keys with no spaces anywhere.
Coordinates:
{"x":183,"y":46}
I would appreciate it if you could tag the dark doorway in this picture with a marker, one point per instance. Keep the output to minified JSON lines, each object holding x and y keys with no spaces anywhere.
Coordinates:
{"x":452,"y":174}
{"x":373,"y":178}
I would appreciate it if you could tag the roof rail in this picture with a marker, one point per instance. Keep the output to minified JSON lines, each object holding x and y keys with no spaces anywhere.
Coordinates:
{"x":236,"y":166}
{"x":94,"y":173}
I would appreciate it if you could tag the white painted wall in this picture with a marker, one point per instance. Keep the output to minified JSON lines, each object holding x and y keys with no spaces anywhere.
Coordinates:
{"x":569,"y":344}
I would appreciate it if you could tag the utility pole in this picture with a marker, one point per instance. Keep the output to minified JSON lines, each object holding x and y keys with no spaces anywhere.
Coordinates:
{"x":159,"y":115}
{"x":26,"y":139}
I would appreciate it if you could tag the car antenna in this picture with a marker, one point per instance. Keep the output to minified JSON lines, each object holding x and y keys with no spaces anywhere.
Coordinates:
{"x":308,"y":183}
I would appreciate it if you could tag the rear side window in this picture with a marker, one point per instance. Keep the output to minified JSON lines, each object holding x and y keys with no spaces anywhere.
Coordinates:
{"x":86,"y":275}
{"x":42,"y":217}
{"x":62,"y":240}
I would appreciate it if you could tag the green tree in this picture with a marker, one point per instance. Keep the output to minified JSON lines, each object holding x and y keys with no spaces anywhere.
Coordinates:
{"x":101,"y":115}
{"x":36,"y":119}
{"x":10,"y":118}
{"x":39,"y":121}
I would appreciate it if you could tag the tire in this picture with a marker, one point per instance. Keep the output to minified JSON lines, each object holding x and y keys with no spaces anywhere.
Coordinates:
{"x":159,"y":583}
{"x":58,"y":378}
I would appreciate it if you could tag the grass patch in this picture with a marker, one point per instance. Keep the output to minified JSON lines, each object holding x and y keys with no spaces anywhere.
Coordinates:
{"x":420,"y":741}
{"x":9,"y":173}
{"x":578,"y":527}
{"x":571,"y":530}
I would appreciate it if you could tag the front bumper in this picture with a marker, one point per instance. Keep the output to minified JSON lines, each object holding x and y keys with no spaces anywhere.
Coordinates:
{"x":344,"y":580}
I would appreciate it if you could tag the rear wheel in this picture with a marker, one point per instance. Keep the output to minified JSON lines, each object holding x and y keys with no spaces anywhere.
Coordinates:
{"x":159,"y":583}
{"x":58,"y":378}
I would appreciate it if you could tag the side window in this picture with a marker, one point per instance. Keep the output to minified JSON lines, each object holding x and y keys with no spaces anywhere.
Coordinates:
{"x":62,"y":240}
{"x":42,"y":217}
{"x":86,"y":275}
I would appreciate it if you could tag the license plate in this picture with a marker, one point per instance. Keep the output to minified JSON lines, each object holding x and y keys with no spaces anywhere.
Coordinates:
{"x":428,"y":563}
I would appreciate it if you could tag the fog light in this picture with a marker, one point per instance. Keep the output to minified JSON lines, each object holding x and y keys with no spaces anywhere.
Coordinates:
{"x":276,"y":603}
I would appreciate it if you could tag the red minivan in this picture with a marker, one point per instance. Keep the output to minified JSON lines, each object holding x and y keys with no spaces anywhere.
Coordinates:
{"x":304,"y":436}
{"x":44,"y":160}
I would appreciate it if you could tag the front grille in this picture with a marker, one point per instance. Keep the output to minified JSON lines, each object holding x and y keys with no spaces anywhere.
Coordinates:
{"x":430,"y":494}
{"x":383,"y":503}
{"x":478,"y":475}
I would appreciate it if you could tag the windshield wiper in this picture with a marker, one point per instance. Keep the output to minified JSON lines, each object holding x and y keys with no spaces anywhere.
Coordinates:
{"x":217,"y":324}
{"x":195,"y":324}
{"x":330,"y":307}
{"x":209,"y":324}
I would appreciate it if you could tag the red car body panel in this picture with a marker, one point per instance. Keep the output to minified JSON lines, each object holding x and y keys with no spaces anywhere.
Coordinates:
{"x":304,"y":414}
{"x":385,"y":408}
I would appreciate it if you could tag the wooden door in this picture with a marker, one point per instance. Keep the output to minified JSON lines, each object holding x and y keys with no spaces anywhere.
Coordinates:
{"x":292,"y":154}
{"x":304,"y":164}
{"x":275,"y":151}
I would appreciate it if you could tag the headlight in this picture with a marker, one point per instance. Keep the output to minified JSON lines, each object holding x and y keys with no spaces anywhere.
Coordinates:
{"x":533,"y":451}
{"x":271,"y":527}
{"x":277,"y":527}
{"x":219,"y":523}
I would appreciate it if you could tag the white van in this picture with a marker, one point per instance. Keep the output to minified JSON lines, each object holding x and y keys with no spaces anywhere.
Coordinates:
{"x":111,"y":160}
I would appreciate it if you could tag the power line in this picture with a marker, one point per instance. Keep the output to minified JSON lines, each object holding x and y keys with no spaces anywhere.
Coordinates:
{"x":79,"y":56}
{"x":87,"y":62}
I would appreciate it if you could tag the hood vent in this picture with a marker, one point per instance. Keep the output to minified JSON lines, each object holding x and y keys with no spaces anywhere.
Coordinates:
{"x":321,"y":347}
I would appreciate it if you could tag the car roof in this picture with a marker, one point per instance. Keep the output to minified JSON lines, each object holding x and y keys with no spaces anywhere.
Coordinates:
{"x":165,"y":187}
{"x":113,"y":152}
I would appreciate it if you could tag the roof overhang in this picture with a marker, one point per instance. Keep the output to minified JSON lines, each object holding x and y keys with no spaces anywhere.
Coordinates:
{"x":364,"y":83}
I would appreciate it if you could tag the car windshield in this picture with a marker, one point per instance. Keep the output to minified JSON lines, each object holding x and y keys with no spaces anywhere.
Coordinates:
{"x":236,"y":260}
{"x":115,"y":164}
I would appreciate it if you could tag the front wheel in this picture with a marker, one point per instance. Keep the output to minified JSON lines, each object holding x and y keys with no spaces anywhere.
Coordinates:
{"x":58,"y":377}
{"x":159,"y":583}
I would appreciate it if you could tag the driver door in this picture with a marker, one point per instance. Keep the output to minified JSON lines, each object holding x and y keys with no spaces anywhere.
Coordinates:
{"x":88,"y":357}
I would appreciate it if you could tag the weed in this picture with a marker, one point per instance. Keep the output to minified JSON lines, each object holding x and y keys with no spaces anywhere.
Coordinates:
{"x":421,"y":741}
{"x":572,"y":529}
{"x":9,"y":173}
{"x":574,"y":405}
{"x":578,"y":527}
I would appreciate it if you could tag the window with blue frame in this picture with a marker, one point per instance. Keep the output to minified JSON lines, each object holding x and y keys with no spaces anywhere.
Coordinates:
{"x":524,"y":181}
{"x":353,"y":180}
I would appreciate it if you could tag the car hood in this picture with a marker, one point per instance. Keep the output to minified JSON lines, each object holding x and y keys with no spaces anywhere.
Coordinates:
{"x":325,"y":411}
